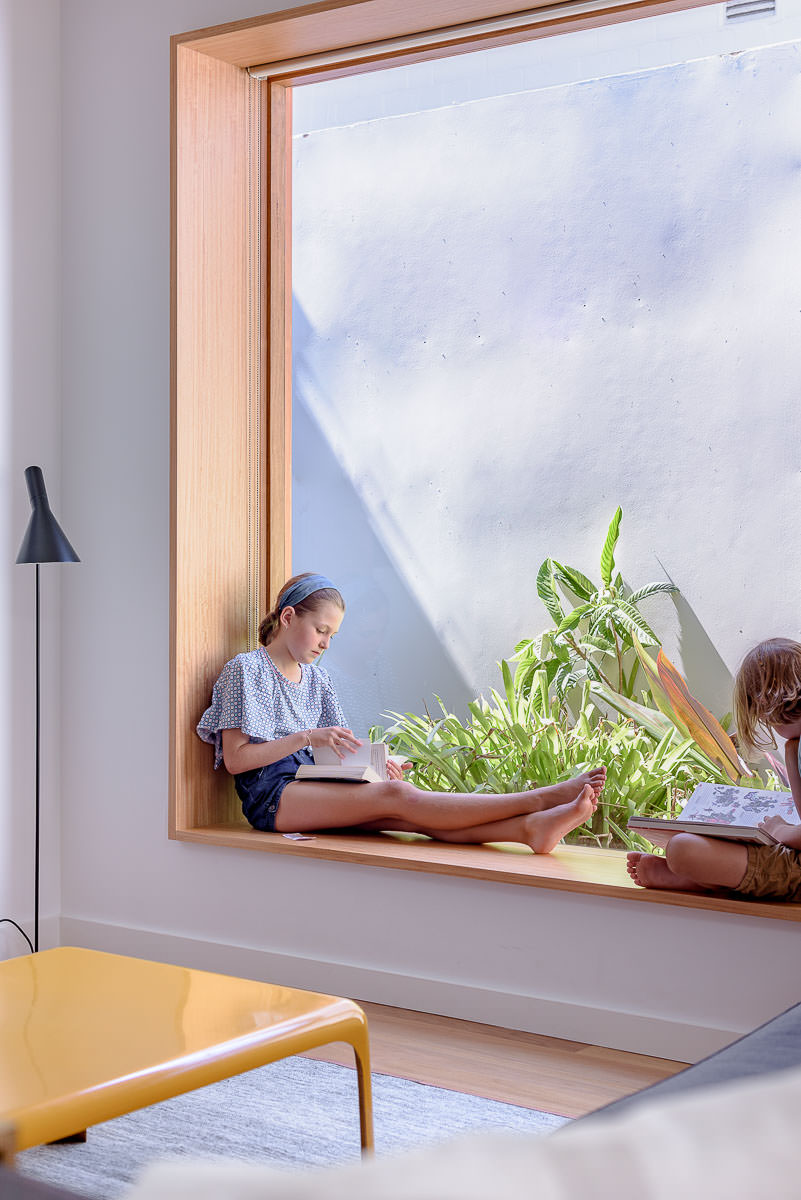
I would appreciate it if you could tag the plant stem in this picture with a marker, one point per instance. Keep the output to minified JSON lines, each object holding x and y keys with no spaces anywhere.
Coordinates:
{"x":586,"y":658}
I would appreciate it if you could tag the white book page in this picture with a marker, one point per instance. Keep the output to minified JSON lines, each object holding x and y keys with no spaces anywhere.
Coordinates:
{"x":725,"y":804}
{"x":369,"y":754}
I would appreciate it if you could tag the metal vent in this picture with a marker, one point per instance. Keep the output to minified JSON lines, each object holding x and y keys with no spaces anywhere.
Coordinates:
{"x":736,"y":9}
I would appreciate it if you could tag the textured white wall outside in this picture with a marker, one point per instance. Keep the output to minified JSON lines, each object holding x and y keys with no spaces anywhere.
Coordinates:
{"x":586,"y":54}
{"x":30,"y":420}
{"x":516,"y":313}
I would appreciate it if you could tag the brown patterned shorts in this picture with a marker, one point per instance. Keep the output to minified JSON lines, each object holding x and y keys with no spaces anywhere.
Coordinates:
{"x":772,"y":871}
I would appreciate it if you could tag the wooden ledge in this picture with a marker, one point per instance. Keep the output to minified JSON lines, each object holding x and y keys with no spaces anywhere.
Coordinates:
{"x":568,"y":869}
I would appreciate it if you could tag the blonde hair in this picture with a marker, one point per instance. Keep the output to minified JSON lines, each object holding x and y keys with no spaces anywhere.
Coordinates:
{"x":767,"y":691}
{"x":269,"y":626}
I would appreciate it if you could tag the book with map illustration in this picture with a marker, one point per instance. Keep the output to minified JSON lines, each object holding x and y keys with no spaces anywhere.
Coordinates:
{"x":721,"y":810}
{"x":366,"y":764}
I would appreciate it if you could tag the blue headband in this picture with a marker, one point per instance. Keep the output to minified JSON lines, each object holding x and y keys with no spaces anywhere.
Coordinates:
{"x":303,"y":589}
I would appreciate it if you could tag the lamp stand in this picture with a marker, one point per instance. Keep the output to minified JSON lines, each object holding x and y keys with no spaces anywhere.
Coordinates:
{"x":38,"y":727}
{"x":44,"y":541}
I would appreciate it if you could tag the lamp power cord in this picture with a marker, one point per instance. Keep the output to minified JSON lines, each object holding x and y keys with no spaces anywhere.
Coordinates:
{"x":8,"y":920}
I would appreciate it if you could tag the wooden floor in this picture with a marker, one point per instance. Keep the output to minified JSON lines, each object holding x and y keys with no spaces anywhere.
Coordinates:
{"x":568,"y":1078}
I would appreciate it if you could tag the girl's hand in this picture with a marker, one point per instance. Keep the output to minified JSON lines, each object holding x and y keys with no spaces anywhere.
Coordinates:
{"x":341,"y":741}
{"x":395,"y":769}
{"x":785,"y":833}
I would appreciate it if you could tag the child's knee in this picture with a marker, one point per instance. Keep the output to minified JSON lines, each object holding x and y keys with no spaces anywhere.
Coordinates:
{"x":399,"y":796}
{"x":682,"y":852}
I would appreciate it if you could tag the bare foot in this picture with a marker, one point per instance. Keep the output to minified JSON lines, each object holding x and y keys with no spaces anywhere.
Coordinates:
{"x":545,"y":828}
{"x":651,"y":871}
{"x":561,"y":793}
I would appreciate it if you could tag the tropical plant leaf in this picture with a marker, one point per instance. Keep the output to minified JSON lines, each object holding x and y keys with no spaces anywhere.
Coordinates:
{"x":706,"y":729}
{"x":635,"y":622}
{"x":671,"y":760}
{"x":655,"y":722}
{"x":564,"y":680}
{"x":509,"y":688}
{"x":589,"y":642}
{"x":573,"y":619}
{"x":608,"y":551}
{"x":578,"y":583}
{"x":663,"y":748}
{"x":546,"y":590}
{"x":658,"y":692}
{"x":592,"y":671}
{"x":650,"y":589}
{"x":600,"y":618}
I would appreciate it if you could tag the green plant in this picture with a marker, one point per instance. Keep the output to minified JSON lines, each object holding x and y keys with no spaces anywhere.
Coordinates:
{"x":595,"y":627}
{"x":518,"y":741}
{"x":659,"y":746}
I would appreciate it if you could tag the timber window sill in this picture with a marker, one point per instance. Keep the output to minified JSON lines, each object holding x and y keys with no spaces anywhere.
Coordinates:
{"x":579,"y":869}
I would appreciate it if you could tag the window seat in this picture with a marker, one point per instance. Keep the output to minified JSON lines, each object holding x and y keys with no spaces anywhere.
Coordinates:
{"x":568,"y":869}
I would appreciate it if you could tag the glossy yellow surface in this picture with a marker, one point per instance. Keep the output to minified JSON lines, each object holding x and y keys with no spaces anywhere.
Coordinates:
{"x":87,"y":1036}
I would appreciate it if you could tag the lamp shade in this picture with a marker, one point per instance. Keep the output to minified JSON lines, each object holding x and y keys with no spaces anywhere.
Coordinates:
{"x":44,"y":539}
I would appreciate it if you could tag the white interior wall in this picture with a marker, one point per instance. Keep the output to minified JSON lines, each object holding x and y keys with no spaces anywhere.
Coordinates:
{"x":490,"y":952}
{"x":30,"y":434}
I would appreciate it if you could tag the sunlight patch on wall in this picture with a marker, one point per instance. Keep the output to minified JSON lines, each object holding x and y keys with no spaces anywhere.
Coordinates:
{"x":523,"y":311}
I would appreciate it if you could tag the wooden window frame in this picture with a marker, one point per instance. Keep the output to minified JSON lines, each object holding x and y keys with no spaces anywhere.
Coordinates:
{"x":231,"y":360}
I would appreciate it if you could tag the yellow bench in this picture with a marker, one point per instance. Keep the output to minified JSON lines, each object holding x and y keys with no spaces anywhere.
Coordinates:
{"x":87,"y":1036}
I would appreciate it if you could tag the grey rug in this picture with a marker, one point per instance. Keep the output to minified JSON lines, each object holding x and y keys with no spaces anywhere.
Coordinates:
{"x":293,"y":1113}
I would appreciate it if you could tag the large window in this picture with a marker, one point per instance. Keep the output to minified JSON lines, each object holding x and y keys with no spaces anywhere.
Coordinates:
{"x":495,"y":258}
{"x":232,"y":393}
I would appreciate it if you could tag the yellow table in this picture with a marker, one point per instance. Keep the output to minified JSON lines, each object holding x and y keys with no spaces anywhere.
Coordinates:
{"x":86,"y":1036}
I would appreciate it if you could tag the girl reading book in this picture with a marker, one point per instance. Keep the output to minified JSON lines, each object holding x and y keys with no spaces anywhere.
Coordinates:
{"x":272,"y":706}
{"x":767,"y":701}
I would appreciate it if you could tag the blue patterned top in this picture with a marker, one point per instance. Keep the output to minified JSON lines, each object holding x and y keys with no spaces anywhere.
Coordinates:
{"x":251,"y":694}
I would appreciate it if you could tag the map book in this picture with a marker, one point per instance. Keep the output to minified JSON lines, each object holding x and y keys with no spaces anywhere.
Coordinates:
{"x":721,"y":810}
{"x":366,"y":764}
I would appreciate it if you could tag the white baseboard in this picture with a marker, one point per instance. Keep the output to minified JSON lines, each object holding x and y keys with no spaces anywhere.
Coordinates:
{"x":614,"y":1028}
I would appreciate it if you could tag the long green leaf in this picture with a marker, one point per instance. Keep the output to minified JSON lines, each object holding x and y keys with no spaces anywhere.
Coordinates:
{"x":546,"y":590}
{"x":608,"y":552}
{"x":650,"y":589}
{"x":578,"y":583}
{"x":573,"y":619}
{"x":565,"y":679}
{"x":655,"y":722}
{"x":635,"y":622}
{"x":509,"y":688}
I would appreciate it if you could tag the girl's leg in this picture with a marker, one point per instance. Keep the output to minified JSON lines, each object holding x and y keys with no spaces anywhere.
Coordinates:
{"x":541,"y":830}
{"x":319,"y":805}
{"x":691,"y":864}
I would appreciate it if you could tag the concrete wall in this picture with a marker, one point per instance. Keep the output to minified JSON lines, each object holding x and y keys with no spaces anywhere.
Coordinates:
{"x":570,"y":58}
{"x":516,"y":313}
{"x":557,"y":964}
{"x":30,"y":433}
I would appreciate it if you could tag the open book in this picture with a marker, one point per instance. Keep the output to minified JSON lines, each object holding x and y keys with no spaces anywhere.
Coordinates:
{"x":721,"y":810}
{"x":367,"y":764}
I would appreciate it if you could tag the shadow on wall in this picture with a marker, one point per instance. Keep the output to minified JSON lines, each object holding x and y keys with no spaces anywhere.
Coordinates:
{"x":387,"y":655}
{"x":706,"y":673}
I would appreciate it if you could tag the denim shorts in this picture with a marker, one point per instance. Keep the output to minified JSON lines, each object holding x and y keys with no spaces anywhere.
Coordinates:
{"x":260,"y":790}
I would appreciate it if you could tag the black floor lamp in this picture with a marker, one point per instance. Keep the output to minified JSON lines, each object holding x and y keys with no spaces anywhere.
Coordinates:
{"x":44,"y":542}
